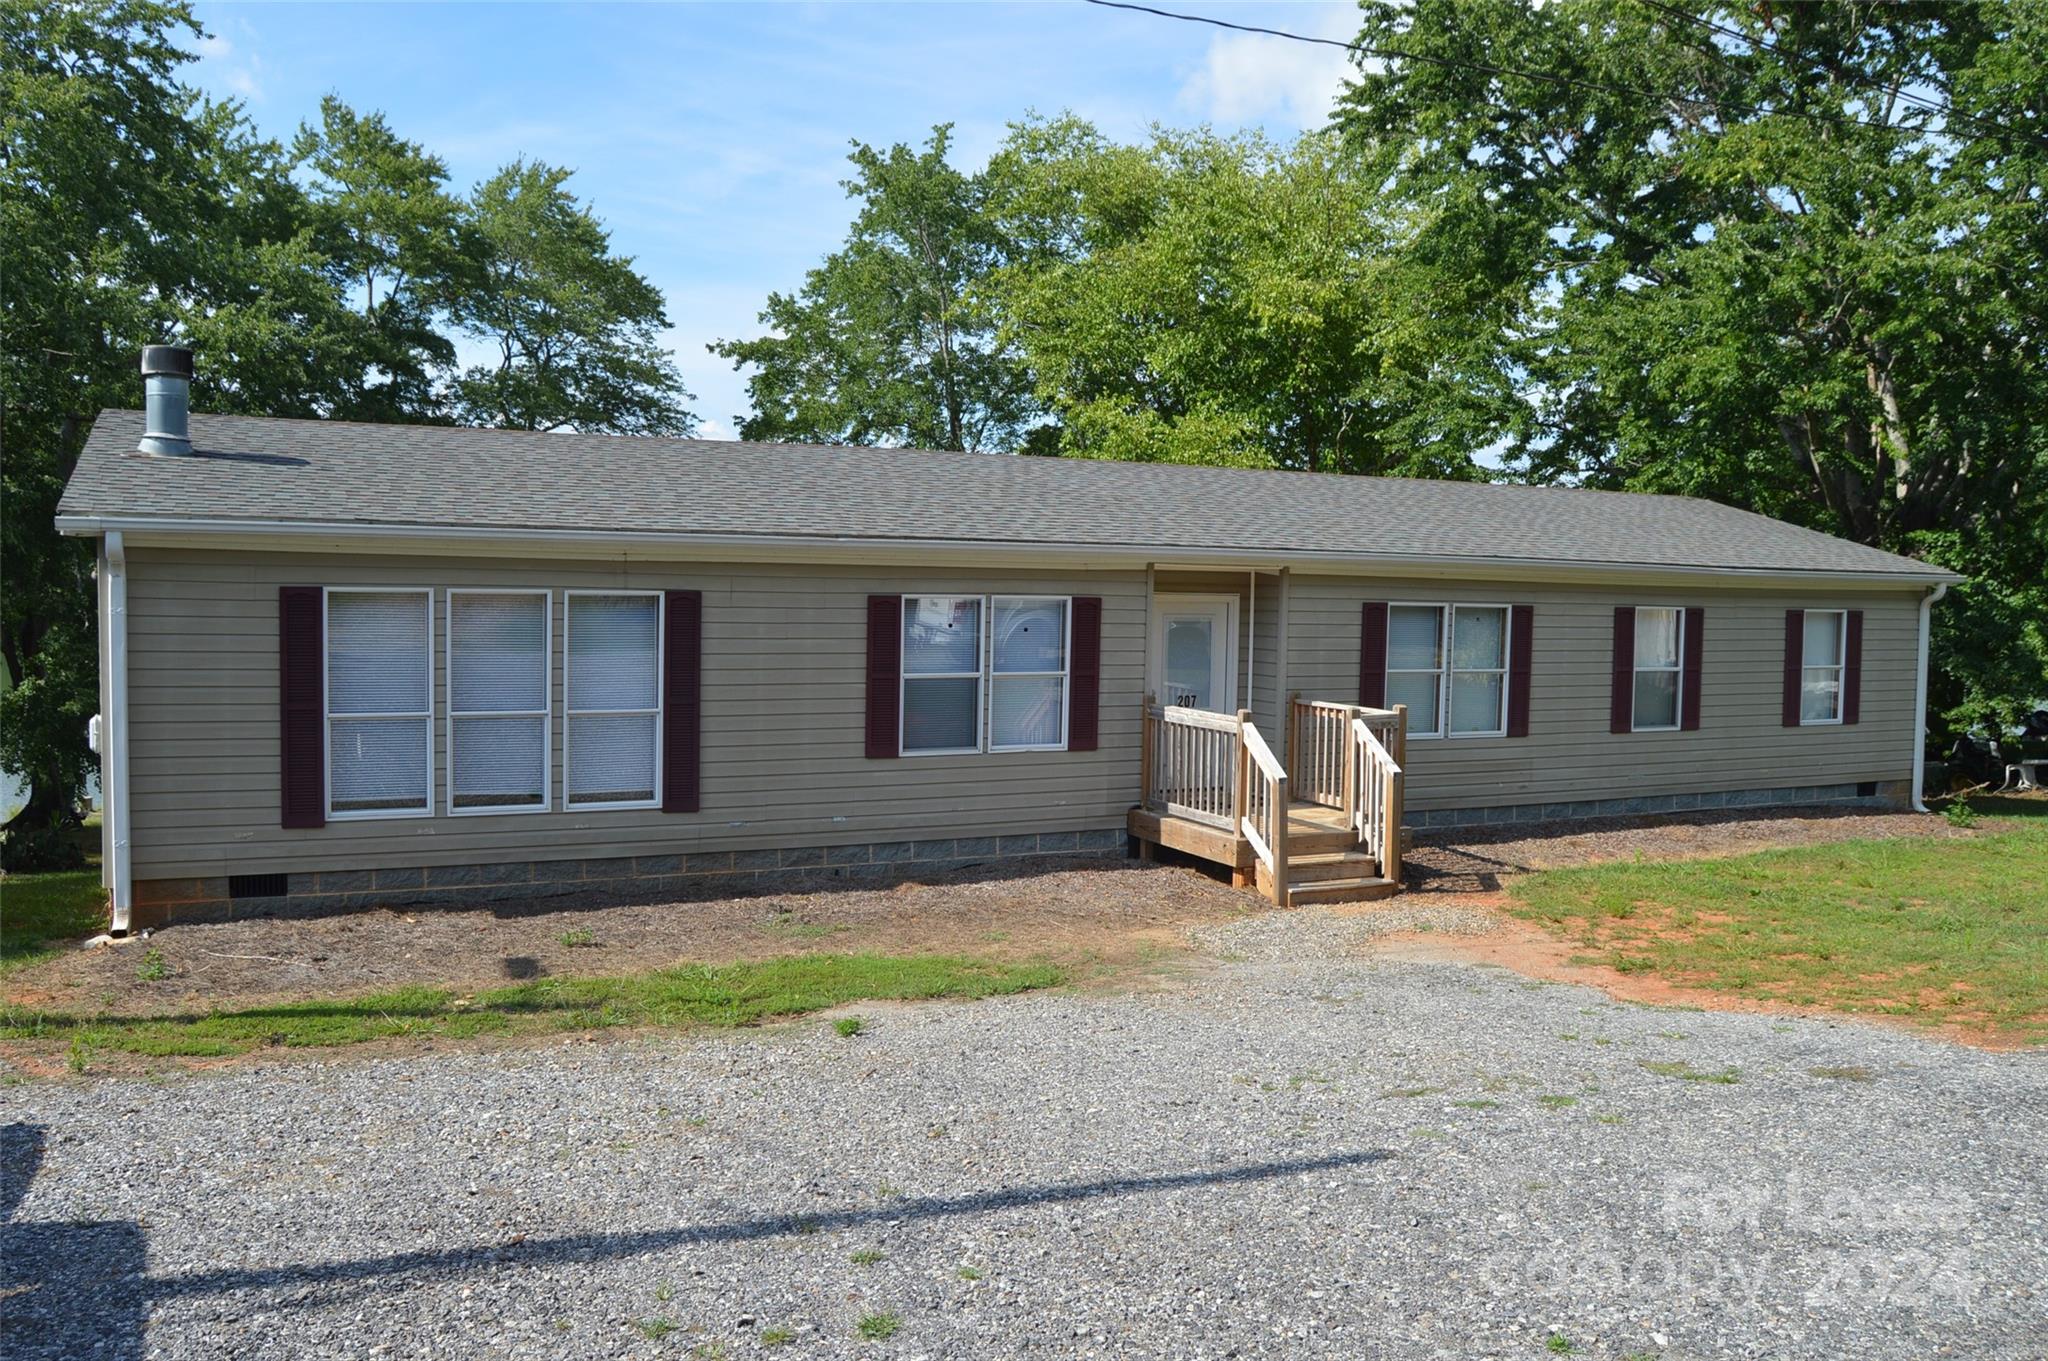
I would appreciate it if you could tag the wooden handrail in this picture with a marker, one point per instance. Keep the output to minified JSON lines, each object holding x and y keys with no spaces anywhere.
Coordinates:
{"x":1382,"y":786}
{"x":1265,"y":805}
{"x":1190,"y":759}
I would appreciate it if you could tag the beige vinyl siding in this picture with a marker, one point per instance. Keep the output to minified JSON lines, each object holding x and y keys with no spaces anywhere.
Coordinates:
{"x":1569,"y":753}
{"x":783,"y":719}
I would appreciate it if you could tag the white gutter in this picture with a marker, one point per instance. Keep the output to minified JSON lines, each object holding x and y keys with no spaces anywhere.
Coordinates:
{"x":1920,"y":697}
{"x":114,"y":738}
{"x":608,"y":543}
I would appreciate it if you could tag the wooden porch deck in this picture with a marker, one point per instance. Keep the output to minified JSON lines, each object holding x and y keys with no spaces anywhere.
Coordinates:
{"x":1213,"y":786}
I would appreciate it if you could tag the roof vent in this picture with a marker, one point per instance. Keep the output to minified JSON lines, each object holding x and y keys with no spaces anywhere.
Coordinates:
{"x":167,"y":389}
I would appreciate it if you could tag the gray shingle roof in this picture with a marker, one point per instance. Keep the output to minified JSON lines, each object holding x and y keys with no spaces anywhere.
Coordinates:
{"x":339,"y":473}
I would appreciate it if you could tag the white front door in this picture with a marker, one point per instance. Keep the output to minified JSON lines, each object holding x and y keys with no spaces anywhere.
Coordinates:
{"x":1194,"y":652}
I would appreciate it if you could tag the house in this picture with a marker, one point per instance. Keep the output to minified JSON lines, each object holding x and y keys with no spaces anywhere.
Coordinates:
{"x":352,"y":664}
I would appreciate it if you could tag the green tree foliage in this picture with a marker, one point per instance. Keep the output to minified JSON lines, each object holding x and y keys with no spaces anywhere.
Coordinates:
{"x":321,"y":280}
{"x":890,"y":339}
{"x":574,"y":326}
{"x":1212,"y":299}
{"x":1745,"y":252}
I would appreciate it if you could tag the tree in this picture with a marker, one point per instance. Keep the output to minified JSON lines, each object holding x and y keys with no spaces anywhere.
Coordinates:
{"x":383,"y":220}
{"x":889,"y":341}
{"x":1212,"y":299}
{"x":575,"y":327}
{"x":1788,"y":257}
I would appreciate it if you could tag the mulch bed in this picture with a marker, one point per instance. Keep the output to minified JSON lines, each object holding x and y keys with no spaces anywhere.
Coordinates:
{"x":1097,"y":917}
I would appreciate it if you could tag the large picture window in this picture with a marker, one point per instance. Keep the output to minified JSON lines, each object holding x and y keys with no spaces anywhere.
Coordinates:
{"x":612,"y":700}
{"x":1820,"y":673}
{"x":380,"y":702}
{"x":1660,"y":659}
{"x":1449,"y":665}
{"x":942,"y":666}
{"x":498,"y":707}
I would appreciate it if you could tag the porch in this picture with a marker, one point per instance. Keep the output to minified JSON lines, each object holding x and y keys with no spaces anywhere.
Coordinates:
{"x":1324,"y":825}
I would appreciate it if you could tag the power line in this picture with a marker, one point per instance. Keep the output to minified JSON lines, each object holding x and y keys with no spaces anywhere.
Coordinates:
{"x":1721,"y":106}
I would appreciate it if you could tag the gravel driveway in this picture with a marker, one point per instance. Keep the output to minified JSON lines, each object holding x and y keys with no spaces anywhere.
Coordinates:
{"x":1330,"y":1158}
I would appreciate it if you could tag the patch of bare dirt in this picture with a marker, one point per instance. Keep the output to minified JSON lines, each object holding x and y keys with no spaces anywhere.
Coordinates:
{"x":1103,"y":916}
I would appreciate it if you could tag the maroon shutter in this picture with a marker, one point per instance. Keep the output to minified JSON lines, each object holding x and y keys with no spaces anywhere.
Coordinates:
{"x":682,"y":700}
{"x":1372,"y":655}
{"x":1084,"y":708}
{"x":1795,"y":645}
{"x":1621,"y":694}
{"x":301,"y":706}
{"x":885,"y":674}
{"x":1852,"y":669}
{"x":1521,"y":650}
{"x":1689,"y":680}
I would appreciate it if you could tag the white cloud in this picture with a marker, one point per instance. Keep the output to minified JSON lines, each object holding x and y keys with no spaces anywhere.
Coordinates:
{"x":222,"y":68}
{"x":1253,"y":77}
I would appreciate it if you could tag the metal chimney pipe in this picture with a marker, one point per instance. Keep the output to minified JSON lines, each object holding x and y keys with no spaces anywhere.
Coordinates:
{"x":167,"y":389}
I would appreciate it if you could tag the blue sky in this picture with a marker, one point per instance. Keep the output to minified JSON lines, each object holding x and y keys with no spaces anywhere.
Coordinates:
{"x":712,"y":137}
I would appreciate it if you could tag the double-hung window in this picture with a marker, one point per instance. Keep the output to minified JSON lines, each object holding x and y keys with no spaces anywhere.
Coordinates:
{"x":380,"y":702}
{"x":1027,"y":707}
{"x":1820,"y":666}
{"x":1660,"y":658}
{"x":942,"y":669}
{"x":498,"y":708}
{"x":1449,"y":665}
{"x":612,"y":699}
{"x":985,"y":673}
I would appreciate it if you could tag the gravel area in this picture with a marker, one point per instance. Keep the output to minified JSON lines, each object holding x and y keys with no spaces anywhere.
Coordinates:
{"x":1336,"y":932}
{"x":1336,"y":1158}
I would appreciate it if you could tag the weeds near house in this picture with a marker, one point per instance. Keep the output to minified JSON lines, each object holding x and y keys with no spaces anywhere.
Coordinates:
{"x":654,"y":1329}
{"x":1556,"y":1103}
{"x":1559,"y":1345}
{"x":968,"y":1273}
{"x":692,"y":995}
{"x":1853,"y":1073}
{"x":152,"y":969}
{"x":1959,"y":813}
{"x":777,"y":1336}
{"x":578,"y":939}
{"x":878,"y":1327}
{"x":849,"y":1026}
{"x":868,"y":1257}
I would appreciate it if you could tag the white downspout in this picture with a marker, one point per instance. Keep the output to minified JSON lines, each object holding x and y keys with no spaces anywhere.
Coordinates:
{"x":1920,"y":698}
{"x":114,"y":739}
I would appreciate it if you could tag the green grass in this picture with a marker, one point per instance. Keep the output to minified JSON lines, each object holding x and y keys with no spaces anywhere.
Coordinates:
{"x":1937,"y":930}
{"x":877,"y":1327}
{"x":694,"y":995}
{"x":41,"y":913}
{"x":849,"y":1026}
{"x":868,"y":1257}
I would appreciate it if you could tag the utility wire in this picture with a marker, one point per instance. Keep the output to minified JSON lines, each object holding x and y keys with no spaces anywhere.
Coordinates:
{"x":1721,"y":106}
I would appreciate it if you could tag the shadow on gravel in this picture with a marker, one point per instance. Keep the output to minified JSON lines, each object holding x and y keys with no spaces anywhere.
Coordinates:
{"x":79,"y":1288}
{"x":600,"y":1246}
{"x":67,"y":1288}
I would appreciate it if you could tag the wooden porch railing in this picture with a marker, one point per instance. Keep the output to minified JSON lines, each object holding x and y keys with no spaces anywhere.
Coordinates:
{"x":1263,"y":783}
{"x":1190,"y":764}
{"x":1350,"y":757}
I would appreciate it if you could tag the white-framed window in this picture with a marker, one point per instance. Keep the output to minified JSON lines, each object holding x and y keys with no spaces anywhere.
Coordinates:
{"x":1449,"y":665}
{"x":379,"y":687}
{"x":985,"y":673}
{"x":1660,"y":658}
{"x":1823,"y":647}
{"x":1029,"y":647}
{"x":611,"y":699}
{"x":943,"y":661}
{"x":500,"y":646}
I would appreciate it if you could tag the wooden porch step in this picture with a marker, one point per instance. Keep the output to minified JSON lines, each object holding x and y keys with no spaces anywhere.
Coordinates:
{"x":1347,"y":864}
{"x":1359,"y":890}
